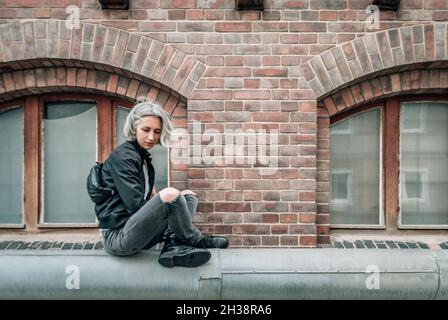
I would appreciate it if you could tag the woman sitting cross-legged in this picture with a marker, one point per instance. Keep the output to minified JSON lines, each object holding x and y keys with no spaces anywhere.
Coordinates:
{"x":137,"y":217}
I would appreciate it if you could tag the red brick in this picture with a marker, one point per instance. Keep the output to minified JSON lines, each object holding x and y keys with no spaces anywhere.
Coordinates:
{"x":23,"y":3}
{"x":233,"y":61}
{"x":30,"y":78}
{"x":231,"y":196}
{"x":252,"y":83}
{"x":308,"y":27}
{"x":251,"y":15}
{"x":289,"y":38}
{"x":308,"y":38}
{"x":232,"y":72}
{"x":271,"y":117}
{"x":279,"y":228}
{"x":328,"y":15}
{"x":251,"y":229}
{"x":205,"y":206}
{"x":308,"y":240}
{"x":269,"y":218}
{"x":302,"y":4}
{"x":271,"y":61}
{"x":288,"y":218}
{"x":183,"y":72}
{"x":270,"y":240}
{"x":193,"y":173}
{"x":178,"y":4}
{"x":252,"y":95}
{"x":252,"y":196}
{"x":215,"y":83}
{"x":223,"y":229}
{"x":429,"y":40}
{"x":271,"y":72}
{"x":307,"y":196}
{"x":307,"y":217}
{"x":435,"y":4}
{"x":214,"y":15}
{"x":200,"y":184}
{"x":251,"y":240}
{"x":232,"y":207}
{"x":289,"y":240}
{"x":323,"y":230}
{"x":215,"y":61}
{"x":271,"y":27}
{"x":176,"y":14}
{"x":252,"y":218}
{"x":156,"y":26}
{"x":195,"y":15}
{"x":233,"y":27}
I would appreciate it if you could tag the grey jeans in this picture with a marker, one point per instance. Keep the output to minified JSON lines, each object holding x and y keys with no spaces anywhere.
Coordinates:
{"x":148,"y":225}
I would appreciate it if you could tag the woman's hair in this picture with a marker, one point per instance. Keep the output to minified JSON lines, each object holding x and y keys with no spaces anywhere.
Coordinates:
{"x":146,"y":108}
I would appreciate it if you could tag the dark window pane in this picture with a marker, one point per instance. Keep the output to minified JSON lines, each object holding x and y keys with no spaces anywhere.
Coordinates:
{"x":355,"y":170}
{"x":424,"y":163}
{"x":11,"y":166}
{"x":69,"y":152}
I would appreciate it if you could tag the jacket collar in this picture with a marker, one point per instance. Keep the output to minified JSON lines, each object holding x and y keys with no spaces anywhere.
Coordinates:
{"x":142,"y":152}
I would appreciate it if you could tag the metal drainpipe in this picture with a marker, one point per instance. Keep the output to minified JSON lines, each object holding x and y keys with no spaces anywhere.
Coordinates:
{"x":230,"y":274}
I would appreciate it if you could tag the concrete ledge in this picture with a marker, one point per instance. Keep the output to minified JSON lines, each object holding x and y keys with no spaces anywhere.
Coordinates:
{"x":230,"y":274}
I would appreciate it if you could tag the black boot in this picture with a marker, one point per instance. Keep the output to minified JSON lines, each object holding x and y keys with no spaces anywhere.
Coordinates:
{"x":212,"y":242}
{"x":175,"y":253}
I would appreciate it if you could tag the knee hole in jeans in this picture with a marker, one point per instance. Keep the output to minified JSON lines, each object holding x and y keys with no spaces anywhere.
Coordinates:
{"x":169,"y":195}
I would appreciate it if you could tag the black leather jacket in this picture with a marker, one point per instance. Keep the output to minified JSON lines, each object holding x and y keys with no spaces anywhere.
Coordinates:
{"x":123,"y":172}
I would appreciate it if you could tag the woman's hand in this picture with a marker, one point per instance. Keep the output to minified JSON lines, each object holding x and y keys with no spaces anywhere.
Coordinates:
{"x":188,"y":192}
{"x":154,"y":191}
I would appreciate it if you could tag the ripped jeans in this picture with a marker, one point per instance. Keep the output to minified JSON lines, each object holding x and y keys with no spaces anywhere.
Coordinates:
{"x":148,"y":225}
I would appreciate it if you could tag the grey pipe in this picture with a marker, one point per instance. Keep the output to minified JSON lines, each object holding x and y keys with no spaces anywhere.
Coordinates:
{"x":230,"y":274}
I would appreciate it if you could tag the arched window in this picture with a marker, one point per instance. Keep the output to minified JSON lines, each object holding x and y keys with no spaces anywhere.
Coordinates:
{"x":48,"y":144}
{"x":389,"y":165}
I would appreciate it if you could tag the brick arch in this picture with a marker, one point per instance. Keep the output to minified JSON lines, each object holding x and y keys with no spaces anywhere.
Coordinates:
{"x":375,"y":55}
{"x":19,"y":83}
{"x":42,"y":43}
{"x":422,"y":81}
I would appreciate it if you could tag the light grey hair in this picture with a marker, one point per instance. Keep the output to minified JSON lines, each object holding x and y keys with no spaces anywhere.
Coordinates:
{"x":148,"y":108}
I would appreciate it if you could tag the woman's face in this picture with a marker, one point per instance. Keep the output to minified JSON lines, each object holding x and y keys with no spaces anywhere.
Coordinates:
{"x":148,"y":132}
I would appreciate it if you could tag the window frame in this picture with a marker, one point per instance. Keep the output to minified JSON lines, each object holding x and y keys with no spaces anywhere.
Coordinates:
{"x":5,"y":107}
{"x":33,"y":107}
{"x":390,"y":145}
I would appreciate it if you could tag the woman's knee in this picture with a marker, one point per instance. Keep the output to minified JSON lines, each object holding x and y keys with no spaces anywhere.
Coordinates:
{"x":169,"y":194}
{"x":188,"y":192}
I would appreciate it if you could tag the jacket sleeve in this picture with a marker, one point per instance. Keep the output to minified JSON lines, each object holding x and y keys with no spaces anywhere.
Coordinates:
{"x":125,"y":173}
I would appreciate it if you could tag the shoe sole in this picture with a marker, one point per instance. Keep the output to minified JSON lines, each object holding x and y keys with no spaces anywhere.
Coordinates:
{"x":188,"y":259}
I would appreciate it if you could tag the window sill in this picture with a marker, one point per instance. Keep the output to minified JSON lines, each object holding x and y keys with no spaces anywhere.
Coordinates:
{"x":66,"y":235}
{"x":433,"y":238}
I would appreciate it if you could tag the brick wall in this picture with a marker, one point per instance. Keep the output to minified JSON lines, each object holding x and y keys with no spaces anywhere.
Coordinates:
{"x":240,"y":70}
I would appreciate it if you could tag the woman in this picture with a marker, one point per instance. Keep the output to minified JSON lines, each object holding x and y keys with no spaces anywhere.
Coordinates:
{"x":137,"y":216}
